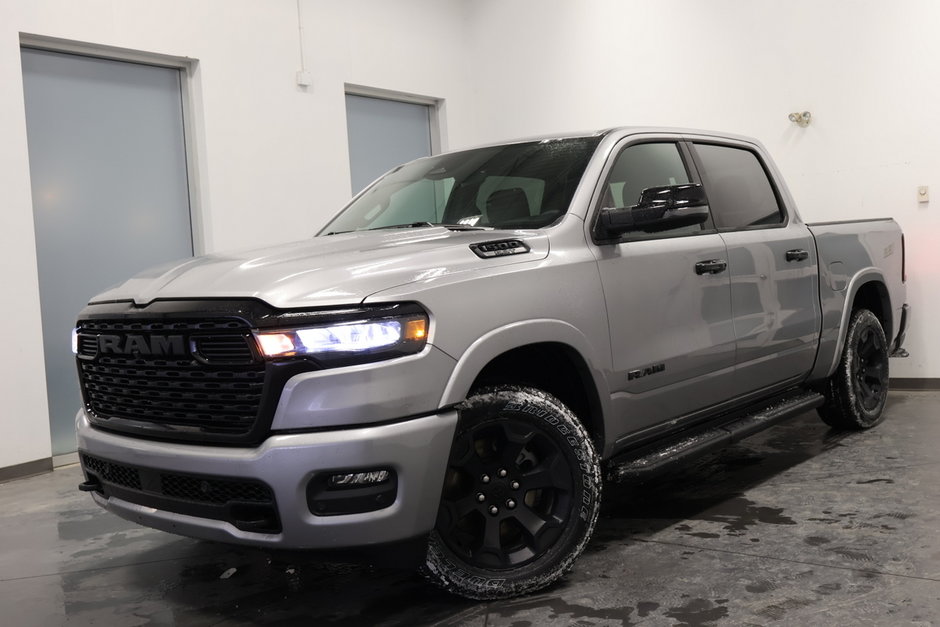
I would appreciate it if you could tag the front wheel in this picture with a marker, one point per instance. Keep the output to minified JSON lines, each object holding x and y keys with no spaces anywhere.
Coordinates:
{"x":857,"y":392}
{"x":520,"y":499}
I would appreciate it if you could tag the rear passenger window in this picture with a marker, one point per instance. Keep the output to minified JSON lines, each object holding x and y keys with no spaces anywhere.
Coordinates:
{"x":739,"y":192}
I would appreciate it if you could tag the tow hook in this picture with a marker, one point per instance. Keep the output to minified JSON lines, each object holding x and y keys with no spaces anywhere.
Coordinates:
{"x":92,"y":485}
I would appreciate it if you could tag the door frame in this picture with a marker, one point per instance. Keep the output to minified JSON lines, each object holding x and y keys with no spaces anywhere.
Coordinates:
{"x":191,"y":101}
{"x":193,"y":133}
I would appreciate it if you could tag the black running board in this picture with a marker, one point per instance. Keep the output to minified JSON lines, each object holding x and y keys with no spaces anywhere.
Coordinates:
{"x":662,"y":456}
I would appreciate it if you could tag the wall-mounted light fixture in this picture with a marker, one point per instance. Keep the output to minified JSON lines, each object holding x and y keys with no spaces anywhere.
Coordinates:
{"x":801,"y":119}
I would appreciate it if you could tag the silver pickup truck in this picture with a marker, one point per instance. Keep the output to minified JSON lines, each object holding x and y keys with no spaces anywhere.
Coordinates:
{"x":478,"y":341}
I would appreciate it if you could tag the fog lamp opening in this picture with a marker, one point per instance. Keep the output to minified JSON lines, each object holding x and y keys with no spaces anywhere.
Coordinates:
{"x":352,"y":491}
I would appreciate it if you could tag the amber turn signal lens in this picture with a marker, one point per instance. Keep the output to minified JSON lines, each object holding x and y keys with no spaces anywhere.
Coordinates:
{"x":416,"y":329}
{"x":276,"y":344}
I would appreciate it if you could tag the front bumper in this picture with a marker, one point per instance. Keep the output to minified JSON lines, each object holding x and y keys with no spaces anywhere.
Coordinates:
{"x":416,"y":450}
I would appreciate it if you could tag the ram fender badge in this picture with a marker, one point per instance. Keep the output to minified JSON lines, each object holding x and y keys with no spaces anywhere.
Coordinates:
{"x":643,"y":372}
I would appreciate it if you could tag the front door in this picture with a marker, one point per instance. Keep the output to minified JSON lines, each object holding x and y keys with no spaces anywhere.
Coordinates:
{"x":670,"y":323}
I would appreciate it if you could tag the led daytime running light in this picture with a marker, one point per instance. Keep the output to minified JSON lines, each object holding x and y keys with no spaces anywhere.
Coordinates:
{"x":350,"y":337}
{"x":353,"y":337}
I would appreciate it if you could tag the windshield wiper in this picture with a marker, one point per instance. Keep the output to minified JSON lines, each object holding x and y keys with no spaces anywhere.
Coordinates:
{"x":465,"y":227}
{"x":414,"y":225}
{"x":411,"y":225}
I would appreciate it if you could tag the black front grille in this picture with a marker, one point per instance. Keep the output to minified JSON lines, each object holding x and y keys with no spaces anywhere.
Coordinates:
{"x":113,"y":473}
{"x":88,"y":345}
{"x":181,"y":392}
{"x":188,"y":370}
{"x":214,"y":490}
{"x":130,"y":371}
{"x":224,"y":349}
{"x":246,"y":503}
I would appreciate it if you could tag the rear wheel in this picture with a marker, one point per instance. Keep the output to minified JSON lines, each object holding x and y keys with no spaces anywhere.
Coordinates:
{"x":857,"y":392}
{"x":520,"y":498}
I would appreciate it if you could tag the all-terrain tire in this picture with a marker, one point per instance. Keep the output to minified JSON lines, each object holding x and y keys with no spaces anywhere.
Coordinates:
{"x":520,"y":498}
{"x":857,"y":391}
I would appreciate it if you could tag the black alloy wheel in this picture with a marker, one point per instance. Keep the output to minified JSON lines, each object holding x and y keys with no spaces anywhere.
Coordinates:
{"x":857,"y":391}
{"x":507,"y":494}
{"x":520,"y":496}
{"x":870,"y":368}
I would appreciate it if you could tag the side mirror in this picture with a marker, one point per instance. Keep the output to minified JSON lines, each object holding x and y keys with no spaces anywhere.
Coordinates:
{"x":659,"y":209}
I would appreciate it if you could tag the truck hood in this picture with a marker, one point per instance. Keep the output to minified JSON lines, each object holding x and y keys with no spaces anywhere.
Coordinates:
{"x":323,"y":271}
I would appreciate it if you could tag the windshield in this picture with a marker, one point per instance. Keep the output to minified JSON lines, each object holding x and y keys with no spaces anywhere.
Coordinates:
{"x":517,"y":186}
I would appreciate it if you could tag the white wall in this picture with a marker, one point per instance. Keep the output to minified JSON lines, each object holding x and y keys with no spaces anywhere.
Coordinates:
{"x":272,"y":156}
{"x":866,"y":69}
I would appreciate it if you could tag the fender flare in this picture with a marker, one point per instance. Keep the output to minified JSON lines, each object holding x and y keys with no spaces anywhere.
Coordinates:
{"x":864,"y":276}
{"x":516,"y":335}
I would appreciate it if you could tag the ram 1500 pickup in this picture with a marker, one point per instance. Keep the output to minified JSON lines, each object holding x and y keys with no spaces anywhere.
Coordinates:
{"x":480,"y":339}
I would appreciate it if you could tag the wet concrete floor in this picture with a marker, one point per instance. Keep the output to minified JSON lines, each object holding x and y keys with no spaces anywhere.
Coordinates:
{"x":799,"y":525}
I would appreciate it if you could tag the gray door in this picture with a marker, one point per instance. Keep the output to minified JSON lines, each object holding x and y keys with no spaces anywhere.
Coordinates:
{"x":382,"y":134}
{"x":671,"y":334}
{"x":110,"y":193}
{"x":772,"y":264}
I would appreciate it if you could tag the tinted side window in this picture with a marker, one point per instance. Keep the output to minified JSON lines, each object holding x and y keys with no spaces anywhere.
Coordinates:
{"x":642,"y":166}
{"x":739,"y":192}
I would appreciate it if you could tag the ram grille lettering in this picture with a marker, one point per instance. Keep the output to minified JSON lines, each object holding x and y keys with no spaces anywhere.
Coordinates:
{"x":153,"y":345}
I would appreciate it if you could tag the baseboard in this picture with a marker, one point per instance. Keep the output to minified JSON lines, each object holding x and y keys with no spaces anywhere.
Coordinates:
{"x":914,"y":384}
{"x":25,"y":470}
{"x":64,"y":460}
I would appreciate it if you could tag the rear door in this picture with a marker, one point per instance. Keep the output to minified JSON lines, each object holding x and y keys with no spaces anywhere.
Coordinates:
{"x":670,"y":323}
{"x":772,"y":266}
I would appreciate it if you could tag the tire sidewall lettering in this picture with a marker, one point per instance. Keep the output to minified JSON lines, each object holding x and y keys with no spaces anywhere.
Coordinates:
{"x":573,"y":442}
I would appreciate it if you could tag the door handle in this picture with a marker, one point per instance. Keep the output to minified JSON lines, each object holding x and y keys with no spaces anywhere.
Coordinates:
{"x":712,"y":266}
{"x":797,"y":254}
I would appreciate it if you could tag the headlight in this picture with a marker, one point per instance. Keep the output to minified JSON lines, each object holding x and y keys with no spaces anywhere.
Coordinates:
{"x":380,"y":338}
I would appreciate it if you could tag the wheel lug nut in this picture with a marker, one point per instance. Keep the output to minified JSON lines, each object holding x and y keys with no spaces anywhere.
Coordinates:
{"x":503,"y":472}
{"x":494,"y":510}
{"x":485,"y":479}
{"x":514,"y":485}
{"x":481,"y":497}
{"x":510,"y":504}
